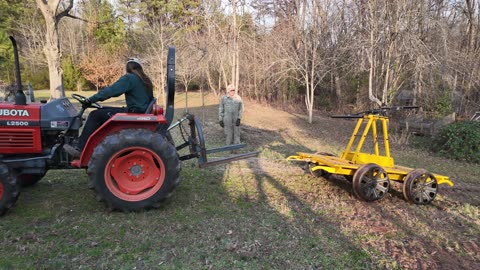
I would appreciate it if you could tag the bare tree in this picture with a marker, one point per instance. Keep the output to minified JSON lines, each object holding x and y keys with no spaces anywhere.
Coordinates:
{"x":53,"y":11}
{"x":156,"y":41}
{"x":188,"y":68}
{"x":293,"y":51}
{"x":302,"y":48}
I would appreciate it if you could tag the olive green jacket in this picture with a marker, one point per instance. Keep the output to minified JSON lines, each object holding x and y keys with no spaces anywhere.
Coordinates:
{"x":132,"y":86}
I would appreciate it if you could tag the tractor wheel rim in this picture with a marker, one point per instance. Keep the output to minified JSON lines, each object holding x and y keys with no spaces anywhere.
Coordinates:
{"x":135,"y":174}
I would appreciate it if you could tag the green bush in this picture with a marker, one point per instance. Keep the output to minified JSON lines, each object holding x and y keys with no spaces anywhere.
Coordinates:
{"x":38,"y":78}
{"x":460,"y":140}
{"x":72,"y":77}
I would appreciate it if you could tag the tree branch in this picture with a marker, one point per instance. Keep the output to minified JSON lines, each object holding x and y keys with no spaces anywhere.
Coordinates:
{"x":65,"y":11}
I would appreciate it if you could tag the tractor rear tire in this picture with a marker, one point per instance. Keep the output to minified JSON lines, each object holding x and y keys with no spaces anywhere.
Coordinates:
{"x":9,"y":190}
{"x":28,"y":180}
{"x":134,"y":169}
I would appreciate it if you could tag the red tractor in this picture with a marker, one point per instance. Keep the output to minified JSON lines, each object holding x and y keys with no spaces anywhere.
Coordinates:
{"x":131,"y":160}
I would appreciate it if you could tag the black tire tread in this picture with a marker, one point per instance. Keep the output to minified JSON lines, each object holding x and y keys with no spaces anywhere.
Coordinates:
{"x":28,"y":180}
{"x":11,"y":190}
{"x":128,"y":138}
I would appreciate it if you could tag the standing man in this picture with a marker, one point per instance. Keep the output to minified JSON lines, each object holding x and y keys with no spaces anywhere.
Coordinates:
{"x":229,"y":114}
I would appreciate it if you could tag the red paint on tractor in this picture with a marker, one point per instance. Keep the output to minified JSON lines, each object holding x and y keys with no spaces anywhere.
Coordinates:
{"x":118,"y":122}
{"x":20,"y":128}
{"x":10,"y":111}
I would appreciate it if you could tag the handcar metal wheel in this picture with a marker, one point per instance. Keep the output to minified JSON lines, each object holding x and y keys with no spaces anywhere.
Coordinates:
{"x":420,"y":187}
{"x":370,"y":182}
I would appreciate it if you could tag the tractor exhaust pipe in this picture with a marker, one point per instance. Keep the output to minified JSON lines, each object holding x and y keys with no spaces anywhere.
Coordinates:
{"x":20,"y":98}
{"x":170,"y":85}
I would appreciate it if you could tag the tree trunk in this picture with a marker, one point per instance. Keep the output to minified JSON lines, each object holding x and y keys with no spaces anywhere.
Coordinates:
{"x":52,"y":15}
{"x":235,"y":54}
{"x":53,"y":55}
{"x":371,"y":59}
{"x":337,"y":86}
{"x":209,"y":80}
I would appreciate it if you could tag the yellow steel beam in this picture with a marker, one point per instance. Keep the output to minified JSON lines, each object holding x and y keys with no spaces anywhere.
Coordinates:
{"x":385,"y":136}
{"x":375,"y":136}
{"x":352,"y":138}
{"x":364,"y":136}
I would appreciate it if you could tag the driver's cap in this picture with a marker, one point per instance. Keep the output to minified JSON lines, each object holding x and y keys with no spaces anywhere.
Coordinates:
{"x":135,"y":60}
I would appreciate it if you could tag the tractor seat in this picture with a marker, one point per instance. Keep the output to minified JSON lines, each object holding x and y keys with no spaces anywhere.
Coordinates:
{"x":150,"y":106}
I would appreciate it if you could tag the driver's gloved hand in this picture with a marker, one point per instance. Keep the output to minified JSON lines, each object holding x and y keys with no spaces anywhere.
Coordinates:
{"x":86,"y":102}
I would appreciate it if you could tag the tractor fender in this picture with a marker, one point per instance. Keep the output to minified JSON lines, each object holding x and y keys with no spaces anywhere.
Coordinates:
{"x":118,"y":122}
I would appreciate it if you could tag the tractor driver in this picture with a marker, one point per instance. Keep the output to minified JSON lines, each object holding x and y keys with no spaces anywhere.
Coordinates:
{"x":138,"y":90}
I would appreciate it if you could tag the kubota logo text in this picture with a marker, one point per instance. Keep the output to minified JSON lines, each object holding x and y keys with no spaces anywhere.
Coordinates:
{"x":12,"y":112}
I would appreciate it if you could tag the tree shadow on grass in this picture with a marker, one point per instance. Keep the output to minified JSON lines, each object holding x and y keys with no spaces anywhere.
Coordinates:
{"x":447,"y":237}
{"x":444,"y":229}
{"x":316,"y":238}
{"x":405,"y":248}
{"x":284,"y":199}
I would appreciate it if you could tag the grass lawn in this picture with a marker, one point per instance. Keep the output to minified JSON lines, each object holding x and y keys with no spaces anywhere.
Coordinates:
{"x":259,"y":213}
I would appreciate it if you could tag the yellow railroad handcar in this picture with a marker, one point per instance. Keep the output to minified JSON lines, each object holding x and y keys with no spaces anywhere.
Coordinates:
{"x":371,"y":173}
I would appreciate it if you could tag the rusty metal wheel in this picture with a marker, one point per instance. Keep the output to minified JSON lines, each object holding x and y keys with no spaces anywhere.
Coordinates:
{"x":370,"y":182}
{"x":420,"y":187}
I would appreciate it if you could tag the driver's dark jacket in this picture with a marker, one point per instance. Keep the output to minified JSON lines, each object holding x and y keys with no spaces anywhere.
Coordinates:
{"x":132,"y":86}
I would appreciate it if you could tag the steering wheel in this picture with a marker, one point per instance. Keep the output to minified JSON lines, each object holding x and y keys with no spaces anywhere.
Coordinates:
{"x":81,"y":99}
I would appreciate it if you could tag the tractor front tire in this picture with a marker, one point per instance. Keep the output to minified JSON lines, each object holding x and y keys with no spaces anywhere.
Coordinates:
{"x":134,"y":169}
{"x":9,"y":190}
